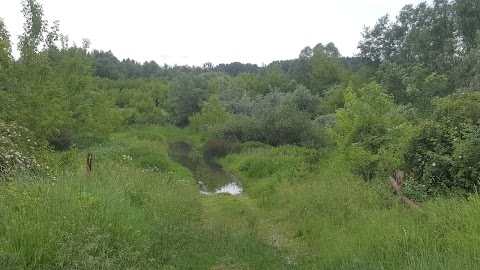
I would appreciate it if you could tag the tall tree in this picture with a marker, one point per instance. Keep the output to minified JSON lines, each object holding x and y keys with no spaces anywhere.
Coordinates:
{"x":302,"y":66}
{"x":468,"y":21}
{"x":375,"y":45}
{"x":184,"y":99}
{"x":5,"y":64}
{"x":5,"y":47}
{"x":107,"y":65}
{"x":326,"y":72}
{"x":150,"y":69}
{"x":33,"y":30}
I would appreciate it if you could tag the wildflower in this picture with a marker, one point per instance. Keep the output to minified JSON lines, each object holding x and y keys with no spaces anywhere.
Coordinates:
{"x":434,"y":164}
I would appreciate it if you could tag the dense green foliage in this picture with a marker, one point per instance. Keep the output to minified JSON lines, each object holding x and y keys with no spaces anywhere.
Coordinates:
{"x":444,"y":154}
{"x":371,"y":132}
{"x":302,"y":136}
{"x":18,"y":152}
{"x":51,"y":91}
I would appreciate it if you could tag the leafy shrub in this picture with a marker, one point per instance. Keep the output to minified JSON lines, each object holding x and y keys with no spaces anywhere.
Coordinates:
{"x":155,"y":116}
{"x":242,"y":128}
{"x":184,"y":98}
{"x":275,"y":118}
{"x":370,"y":132}
{"x":275,"y":126}
{"x":285,"y":125}
{"x":444,"y":153}
{"x":63,"y":140}
{"x":466,"y":159}
{"x":362,"y":162}
{"x":18,"y":151}
{"x":301,"y":99}
{"x":217,"y":147}
{"x":212,"y":113}
{"x":415,"y":190}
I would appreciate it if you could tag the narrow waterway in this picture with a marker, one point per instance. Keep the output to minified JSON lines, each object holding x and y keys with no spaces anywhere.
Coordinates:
{"x":209,"y":174}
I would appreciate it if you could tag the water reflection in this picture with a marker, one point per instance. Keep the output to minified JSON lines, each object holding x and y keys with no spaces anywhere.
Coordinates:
{"x":210,"y":176}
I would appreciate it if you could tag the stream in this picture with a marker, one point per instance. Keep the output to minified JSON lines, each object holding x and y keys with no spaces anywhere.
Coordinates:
{"x":209,"y":174}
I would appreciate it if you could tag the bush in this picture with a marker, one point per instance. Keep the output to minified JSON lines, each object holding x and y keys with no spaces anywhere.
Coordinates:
{"x":218,"y":147}
{"x":466,"y":159}
{"x":212,"y":113}
{"x":370,"y":132}
{"x":444,"y":153}
{"x":285,"y":125}
{"x":19,"y":153}
{"x":279,"y":125}
{"x":241,"y":128}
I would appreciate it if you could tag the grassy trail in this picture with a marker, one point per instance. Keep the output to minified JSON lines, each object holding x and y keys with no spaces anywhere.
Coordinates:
{"x":237,"y":213}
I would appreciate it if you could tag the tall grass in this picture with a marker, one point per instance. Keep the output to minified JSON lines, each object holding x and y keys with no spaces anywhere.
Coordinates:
{"x":302,"y":209}
{"x":126,"y":215}
{"x":343,"y":222}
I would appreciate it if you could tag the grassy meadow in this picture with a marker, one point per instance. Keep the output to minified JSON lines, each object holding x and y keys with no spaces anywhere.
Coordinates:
{"x":301,"y":209}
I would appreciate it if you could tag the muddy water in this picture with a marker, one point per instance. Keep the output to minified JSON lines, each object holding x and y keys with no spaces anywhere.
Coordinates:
{"x":210,"y":176}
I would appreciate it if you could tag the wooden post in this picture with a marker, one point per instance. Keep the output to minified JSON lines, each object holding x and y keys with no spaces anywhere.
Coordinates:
{"x":89,"y":163}
{"x":395,"y":181}
{"x":399,"y":177}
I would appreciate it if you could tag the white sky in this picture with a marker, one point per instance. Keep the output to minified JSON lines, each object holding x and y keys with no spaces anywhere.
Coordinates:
{"x":197,"y":31}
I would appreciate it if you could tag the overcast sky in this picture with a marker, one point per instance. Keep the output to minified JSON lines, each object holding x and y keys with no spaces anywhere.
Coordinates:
{"x":220,"y":31}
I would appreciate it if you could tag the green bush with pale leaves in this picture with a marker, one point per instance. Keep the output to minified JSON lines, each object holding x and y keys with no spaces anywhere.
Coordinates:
{"x":19,"y":152}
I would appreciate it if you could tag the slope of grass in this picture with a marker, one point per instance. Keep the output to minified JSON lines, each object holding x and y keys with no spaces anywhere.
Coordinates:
{"x":342,"y":222}
{"x":139,"y":213}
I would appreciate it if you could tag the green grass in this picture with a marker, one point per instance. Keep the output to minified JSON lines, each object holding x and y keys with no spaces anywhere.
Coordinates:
{"x":143,"y":213}
{"x":301,"y":209}
{"x":342,"y":222}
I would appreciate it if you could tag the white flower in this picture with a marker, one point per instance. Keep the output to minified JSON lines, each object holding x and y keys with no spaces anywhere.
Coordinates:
{"x":434,"y":164}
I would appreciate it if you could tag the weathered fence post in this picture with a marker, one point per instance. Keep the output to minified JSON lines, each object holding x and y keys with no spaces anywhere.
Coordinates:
{"x":89,"y":163}
{"x":395,"y":181}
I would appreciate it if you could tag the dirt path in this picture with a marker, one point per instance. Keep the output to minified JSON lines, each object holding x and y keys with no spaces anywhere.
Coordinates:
{"x":241,"y":214}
